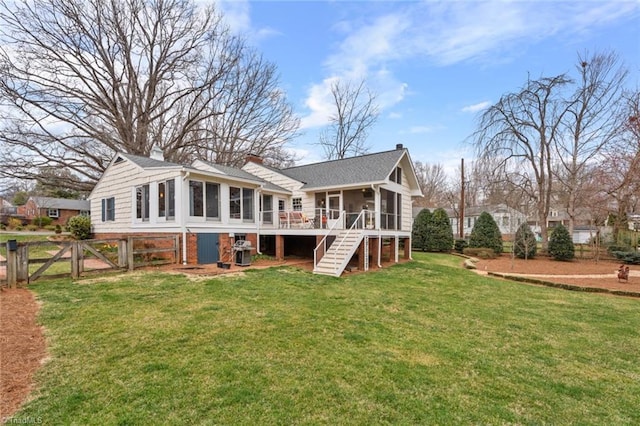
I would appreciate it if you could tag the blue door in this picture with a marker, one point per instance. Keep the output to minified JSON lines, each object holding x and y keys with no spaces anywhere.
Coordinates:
{"x":207,"y":248}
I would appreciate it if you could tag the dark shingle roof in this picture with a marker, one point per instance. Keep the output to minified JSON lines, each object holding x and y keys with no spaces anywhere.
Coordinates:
{"x":241,"y":174}
{"x":233,"y":172}
{"x":61,"y":203}
{"x":347,"y":171}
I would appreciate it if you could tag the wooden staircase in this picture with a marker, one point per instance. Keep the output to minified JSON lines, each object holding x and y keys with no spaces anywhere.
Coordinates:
{"x":339,"y":253}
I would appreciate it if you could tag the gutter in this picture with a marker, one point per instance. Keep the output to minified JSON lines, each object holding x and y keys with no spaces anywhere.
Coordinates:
{"x":183,"y":224}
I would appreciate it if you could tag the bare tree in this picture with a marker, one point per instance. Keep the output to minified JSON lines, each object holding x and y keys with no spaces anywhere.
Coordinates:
{"x":433,"y":183}
{"x":355,"y":112}
{"x":619,"y":172}
{"x":520,"y":131}
{"x":588,"y":125}
{"x":81,"y":79}
{"x":254,"y":116}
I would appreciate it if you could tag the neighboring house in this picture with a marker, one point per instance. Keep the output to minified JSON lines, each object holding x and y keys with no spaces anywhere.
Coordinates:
{"x":507,"y":219}
{"x":58,"y":209}
{"x":363,"y":203}
{"x":583,"y":230}
{"x":634,"y":221}
{"x":8,"y":211}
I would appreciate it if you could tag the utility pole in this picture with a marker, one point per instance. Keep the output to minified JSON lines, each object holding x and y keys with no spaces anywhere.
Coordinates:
{"x":462,"y":184}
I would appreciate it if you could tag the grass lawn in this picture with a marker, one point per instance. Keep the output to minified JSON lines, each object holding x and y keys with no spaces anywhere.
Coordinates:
{"x":420,"y":343}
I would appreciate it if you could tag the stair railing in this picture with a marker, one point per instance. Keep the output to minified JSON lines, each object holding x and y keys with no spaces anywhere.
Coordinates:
{"x":357,"y":224}
{"x":323,"y":242}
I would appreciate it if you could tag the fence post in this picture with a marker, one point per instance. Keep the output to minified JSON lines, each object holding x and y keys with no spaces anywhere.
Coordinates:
{"x":12,"y":266}
{"x":23,"y":263}
{"x":130,"y":253}
{"x":75,"y":260}
{"x":122,"y":253}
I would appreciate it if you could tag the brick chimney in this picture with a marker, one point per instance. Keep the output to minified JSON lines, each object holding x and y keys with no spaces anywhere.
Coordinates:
{"x":253,"y":158}
{"x":399,"y":146}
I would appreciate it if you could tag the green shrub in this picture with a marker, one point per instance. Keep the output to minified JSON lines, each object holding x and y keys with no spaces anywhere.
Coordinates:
{"x":19,"y":228}
{"x":485,"y":233}
{"x":3,"y":226}
{"x":439,"y":237}
{"x":32,"y":228}
{"x":14,"y":223}
{"x":419,"y":232}
{"x":58,"y":229}
{"x":524,"y":244}
{"x":628,"y":257}
{"x":41,"y":221}
{"x":80,"y":227}
{"x":480,"y":252}
{"x":460,"y":244}
{"x":612,"y":248}
{"x":560,"y":244}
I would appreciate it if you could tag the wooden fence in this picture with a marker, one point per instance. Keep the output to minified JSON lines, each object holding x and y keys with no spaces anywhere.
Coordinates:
{"x":73,"y":258}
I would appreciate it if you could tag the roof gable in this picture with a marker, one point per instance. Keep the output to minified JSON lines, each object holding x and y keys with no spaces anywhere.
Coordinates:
{"x":363,"y":169}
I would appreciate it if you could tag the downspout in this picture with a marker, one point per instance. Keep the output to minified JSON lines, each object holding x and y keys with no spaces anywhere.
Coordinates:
{"x":183,"y":220}
{"x":260,"y":188}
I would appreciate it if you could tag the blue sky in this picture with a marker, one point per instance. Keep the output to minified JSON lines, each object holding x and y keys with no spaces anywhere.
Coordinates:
{"x":433,"y":65}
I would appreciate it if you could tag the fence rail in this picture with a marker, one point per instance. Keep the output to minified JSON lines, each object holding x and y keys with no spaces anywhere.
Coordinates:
{"x":28,"y":261}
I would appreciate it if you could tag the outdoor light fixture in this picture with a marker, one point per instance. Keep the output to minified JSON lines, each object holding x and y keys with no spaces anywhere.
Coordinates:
{"x":12,"y":245}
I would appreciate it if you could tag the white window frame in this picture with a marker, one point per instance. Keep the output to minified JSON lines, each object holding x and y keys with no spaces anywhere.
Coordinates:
{"x":53,"y":213}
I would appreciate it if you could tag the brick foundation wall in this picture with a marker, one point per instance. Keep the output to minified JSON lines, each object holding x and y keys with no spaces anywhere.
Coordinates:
{"x":225,"y":243}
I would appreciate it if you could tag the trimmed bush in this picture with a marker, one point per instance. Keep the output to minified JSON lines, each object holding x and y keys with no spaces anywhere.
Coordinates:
{"x":460,"y":244}
{"x":486,"y":234}
{"x":419,"y":232}
{"x":524,"y":244}
{"x":439,"y":233}
{"x":560,"y":244}
{"x":612,"y":248}
{"x":41,"y":221}
{"x":628,"y":257}
{"x":58,"y":229}
{"x":480,"y":252}
{"x":32,"y":228}
{"x":80,"y":227}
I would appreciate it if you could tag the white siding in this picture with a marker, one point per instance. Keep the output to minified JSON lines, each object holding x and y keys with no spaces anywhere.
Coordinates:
{"x":119,"y":181}
{"x":272,"y":176}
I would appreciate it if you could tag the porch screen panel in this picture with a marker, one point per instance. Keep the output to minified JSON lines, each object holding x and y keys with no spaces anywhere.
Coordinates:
{"x":213,"y":201}
{"x":234,"y":203}
{"x":162,"y":196}
{"x":142,"y":202}
{"x":247,"y":204}
{"x":399,"y":212}
{"x":195,"y":198}
{"x":267,"y":209}
{"x":171,"y":199}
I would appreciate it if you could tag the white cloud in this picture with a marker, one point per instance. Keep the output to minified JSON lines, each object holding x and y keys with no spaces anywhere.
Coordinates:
{"x":476,"y":107}
{"x":237,"y":15}
{"x":394,"y":115}
{"x":420,"y":129}
{"x":449,"y":32}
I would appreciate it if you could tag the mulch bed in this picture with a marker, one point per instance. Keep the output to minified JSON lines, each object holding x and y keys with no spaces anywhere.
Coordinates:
{"x":22,"y":345}
{"x":585,"y":273}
